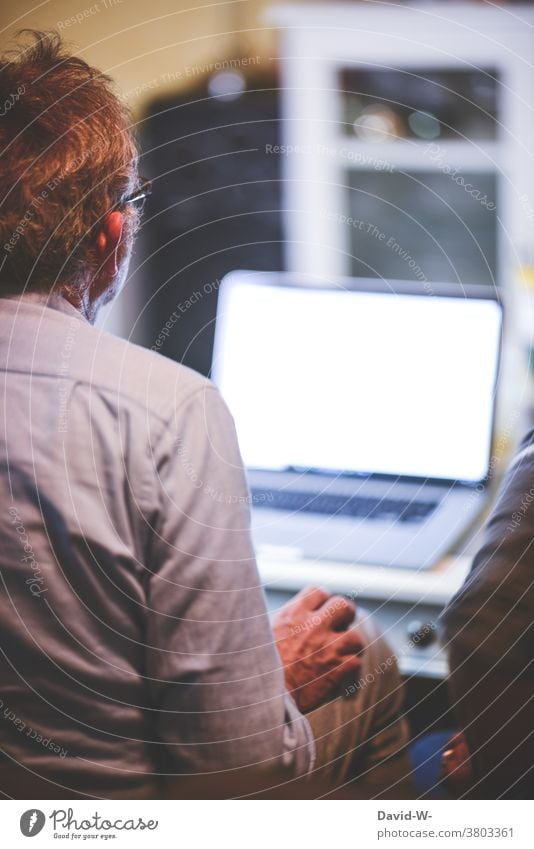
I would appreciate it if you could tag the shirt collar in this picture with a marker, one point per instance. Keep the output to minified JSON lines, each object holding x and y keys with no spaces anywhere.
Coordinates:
{"x":54,"y":300}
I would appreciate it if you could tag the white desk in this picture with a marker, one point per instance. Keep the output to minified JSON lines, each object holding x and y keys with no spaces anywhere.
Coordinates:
{"x":396,"y":597}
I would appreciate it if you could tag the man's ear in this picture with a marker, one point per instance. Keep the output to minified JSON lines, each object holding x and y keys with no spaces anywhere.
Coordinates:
{"x":108,"y":241}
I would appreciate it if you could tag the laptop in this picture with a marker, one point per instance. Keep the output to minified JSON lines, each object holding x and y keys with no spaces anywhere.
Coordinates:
{"x":364,"y":411}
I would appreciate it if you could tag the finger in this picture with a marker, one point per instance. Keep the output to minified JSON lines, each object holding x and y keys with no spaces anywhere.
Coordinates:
{"x":346,"y":671}
{"x":339,"y":611}
{"x":351,"y":680}
{"x":350,"y":642}
{"x":311,"y":597}
{"x":351,"y":664}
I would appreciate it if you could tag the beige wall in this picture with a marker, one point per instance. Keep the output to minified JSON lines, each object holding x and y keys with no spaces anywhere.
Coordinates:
{"x":148,"y":46}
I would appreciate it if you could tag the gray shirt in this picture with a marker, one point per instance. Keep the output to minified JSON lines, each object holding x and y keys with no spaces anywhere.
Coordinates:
{"x":134,"y":636}
{"x":489,"y":634}
{"x":491,"y":618}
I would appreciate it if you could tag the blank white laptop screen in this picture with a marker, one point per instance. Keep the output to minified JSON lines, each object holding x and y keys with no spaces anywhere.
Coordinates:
{"x":355,"y":381}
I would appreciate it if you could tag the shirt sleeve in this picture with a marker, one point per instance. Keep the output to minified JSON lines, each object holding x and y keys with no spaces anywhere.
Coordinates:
{"x":490,"y":618}
{"x":216,"y":677}
{"x":488,"y":630}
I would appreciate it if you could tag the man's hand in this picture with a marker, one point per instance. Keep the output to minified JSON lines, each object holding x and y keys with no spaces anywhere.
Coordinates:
{"x":456,"y":765}
{"x":318,"y":652}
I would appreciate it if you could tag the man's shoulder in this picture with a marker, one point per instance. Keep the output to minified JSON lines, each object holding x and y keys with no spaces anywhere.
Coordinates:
{"x":65,"y":346}
{"x":500,"y":579}
{"x":143,"y":376}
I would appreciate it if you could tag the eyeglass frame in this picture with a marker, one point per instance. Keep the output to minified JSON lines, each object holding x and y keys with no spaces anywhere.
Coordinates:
{"x":141,"y":193}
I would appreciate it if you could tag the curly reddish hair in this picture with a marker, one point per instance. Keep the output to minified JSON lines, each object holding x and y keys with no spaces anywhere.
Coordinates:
{"x":67,"y":156}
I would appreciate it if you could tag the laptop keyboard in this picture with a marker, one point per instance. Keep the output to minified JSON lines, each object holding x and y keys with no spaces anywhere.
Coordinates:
{"x":355,"y":506}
